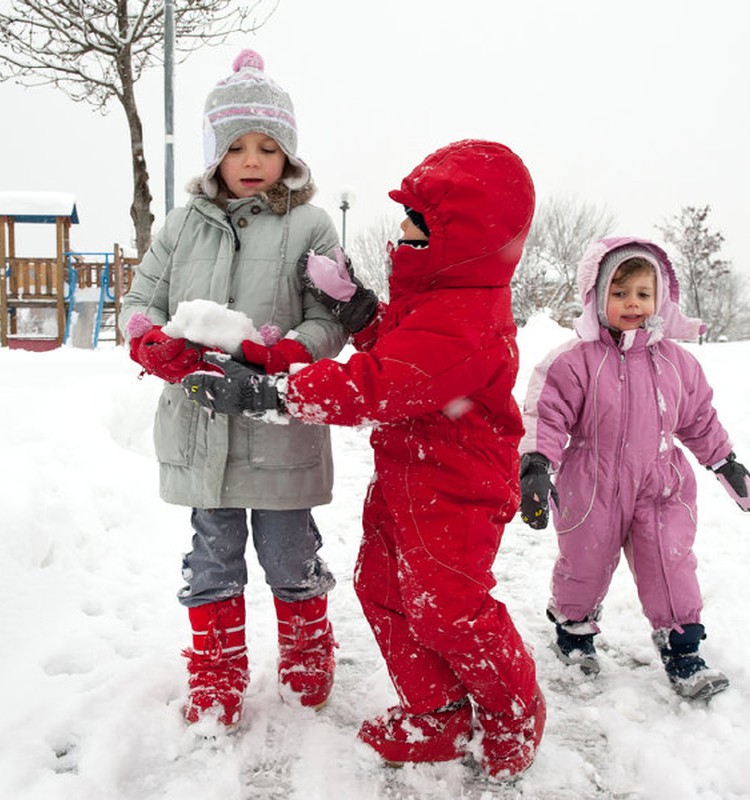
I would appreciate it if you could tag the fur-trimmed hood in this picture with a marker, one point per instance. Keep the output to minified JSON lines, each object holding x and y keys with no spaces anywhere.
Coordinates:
{"x":280,"y":198}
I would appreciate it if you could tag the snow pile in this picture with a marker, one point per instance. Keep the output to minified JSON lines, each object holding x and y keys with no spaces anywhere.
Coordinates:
{"x":213,"y":325}
{"x":92,"y":631}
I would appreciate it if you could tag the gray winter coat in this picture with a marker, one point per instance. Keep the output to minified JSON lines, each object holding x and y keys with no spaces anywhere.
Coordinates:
{"x":244,"y":258}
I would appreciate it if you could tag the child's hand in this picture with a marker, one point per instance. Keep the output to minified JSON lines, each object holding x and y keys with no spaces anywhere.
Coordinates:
{"x":536,"y":488}
{"x":233,"y":389}
{"x":167,"y":357}
{"x":334,"y":284}
{"x":278,"y":357}
{"x":161,"y":355}
{"x":735,"y":479}
{"x":335,"y":279}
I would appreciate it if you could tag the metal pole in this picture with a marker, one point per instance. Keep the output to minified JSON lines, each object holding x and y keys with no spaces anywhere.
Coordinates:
{"x":344,"y":208}
{"x":168,"y":105}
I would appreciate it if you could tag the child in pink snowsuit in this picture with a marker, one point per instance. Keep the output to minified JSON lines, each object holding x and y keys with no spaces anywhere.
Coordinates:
{"x":603,"y":412}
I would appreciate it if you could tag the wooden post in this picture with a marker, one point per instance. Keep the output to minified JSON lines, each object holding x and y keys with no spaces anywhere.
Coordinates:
{"x":3,"y":287}
{"x":59,"y":279}
{"x":11,"y":237}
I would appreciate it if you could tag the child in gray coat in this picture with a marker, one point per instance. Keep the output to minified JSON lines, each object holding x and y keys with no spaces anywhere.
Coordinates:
{"x":237,"y":243}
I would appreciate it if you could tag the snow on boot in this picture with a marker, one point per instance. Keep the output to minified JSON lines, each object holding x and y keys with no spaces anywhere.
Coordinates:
{"x":399,"y":736}
{"x":686,"y":670}
{"x":508,"y":744}
{"x":217,"y":662}
{"x":576,"y":649}
{"x":306,"y":644}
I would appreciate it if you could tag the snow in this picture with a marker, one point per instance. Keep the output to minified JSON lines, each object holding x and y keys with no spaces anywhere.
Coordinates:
{"x":92,"y":631}
{"x":212,"y":325}
{"x":37,"y":204}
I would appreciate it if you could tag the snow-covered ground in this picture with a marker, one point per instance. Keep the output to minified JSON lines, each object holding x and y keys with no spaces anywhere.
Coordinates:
{"x":91,"y":632}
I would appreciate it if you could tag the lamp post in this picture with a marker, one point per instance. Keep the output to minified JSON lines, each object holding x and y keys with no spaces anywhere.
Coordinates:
{"x":169,"y":36}
{"x":345,"y":198}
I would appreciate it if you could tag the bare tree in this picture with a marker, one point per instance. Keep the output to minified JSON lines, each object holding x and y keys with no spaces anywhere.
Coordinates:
{"x":369,"y":256}
{"x":727,"y":311}
{"x":546,"y":277}
{"x":96,"y":51}
{"x":705,"y":278}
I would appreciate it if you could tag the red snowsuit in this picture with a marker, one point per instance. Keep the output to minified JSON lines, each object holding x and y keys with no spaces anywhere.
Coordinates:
{"x":435,"y":380}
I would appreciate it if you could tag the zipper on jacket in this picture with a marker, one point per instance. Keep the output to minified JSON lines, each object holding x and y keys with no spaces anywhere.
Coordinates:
{"x":623,"y":378}
{"x":662,"y":432}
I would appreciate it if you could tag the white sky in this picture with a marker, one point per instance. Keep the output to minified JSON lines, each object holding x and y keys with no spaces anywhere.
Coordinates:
{"x":640,"y":107}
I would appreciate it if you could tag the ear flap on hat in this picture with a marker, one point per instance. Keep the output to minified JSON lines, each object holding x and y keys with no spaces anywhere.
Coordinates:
{"x":298,"y":173}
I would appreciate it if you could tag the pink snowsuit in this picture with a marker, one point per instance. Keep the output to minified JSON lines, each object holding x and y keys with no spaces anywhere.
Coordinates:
{"x":606,"y":415}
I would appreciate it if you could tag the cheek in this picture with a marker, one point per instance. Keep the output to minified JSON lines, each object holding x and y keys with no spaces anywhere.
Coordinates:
{"x":226,"y":167}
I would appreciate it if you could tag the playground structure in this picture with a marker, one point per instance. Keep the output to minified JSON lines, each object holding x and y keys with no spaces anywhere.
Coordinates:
{"x":71,"y":297}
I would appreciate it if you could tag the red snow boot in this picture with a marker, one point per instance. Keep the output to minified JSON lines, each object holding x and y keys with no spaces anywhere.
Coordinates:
{"x":217,"y":662}
{"x":306,"y":644}
{"x":399,"y":736}
{"x":508,"y":743}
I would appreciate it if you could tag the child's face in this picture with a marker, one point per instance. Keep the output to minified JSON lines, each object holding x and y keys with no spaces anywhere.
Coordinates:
{"x":411,"y":232}
{"x":252,"y":165}
{"x":631,"y":301}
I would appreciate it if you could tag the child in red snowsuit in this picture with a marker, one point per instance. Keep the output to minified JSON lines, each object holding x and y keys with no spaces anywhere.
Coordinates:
{"x":434,"y":377}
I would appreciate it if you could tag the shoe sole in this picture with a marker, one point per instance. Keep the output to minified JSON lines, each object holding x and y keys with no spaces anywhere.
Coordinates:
{"x":589,"y":665}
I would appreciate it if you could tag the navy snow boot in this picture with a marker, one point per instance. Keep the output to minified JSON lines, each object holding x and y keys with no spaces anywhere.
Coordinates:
{"x":576,"y":649}
{"x":686,"y":670}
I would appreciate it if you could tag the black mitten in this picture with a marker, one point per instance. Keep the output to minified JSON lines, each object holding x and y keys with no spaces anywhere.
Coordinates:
{"x":536,"y":487}
{"x":735,"y":479}
{"x":240,"y":390}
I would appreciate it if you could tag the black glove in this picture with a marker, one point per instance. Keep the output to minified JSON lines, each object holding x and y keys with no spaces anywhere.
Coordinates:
{"x":536,"y":487}
{"x":240,"y":390}
{"x":735,"y":479}
{"x":334,"y":284}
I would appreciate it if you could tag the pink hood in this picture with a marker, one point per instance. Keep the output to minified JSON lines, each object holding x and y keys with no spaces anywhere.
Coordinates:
{"x":668,"y":322}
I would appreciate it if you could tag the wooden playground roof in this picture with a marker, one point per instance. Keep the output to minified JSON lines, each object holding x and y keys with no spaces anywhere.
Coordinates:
{"x":38,"y":207}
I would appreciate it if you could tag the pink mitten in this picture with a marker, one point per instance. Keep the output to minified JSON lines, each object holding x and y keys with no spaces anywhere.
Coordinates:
{"x":332,"y":277}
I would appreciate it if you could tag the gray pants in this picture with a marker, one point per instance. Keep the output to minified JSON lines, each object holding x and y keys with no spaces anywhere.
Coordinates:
{"x":286,"y":542}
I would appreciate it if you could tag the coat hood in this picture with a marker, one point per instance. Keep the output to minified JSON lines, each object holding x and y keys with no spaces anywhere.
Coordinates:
{"x":668,"y":321}
{"x":477,"y":199}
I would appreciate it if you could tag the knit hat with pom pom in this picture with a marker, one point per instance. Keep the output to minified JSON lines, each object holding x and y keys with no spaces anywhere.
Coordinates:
{"x":249,"y":101}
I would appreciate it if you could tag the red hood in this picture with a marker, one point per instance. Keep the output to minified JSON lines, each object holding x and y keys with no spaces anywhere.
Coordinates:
{"x":477,"y":199}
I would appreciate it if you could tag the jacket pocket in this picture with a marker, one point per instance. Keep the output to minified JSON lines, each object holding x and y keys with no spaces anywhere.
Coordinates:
{"x":175,"y":427}
{"x":286,"y":446}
